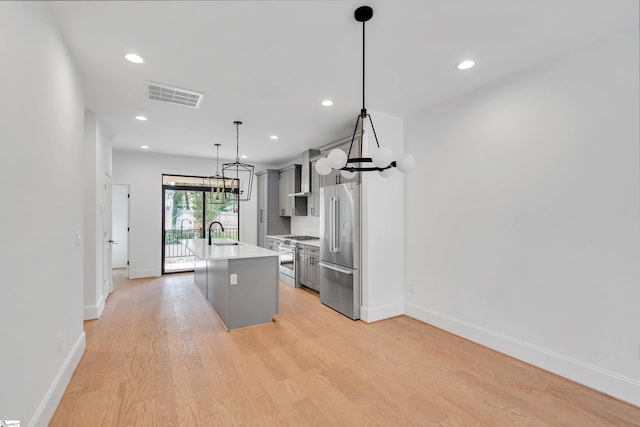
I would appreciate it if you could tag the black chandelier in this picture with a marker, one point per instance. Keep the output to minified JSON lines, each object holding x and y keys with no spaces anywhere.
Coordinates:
{"x":381,"y":158}
{"x":216,"y":182}
{"x":237,"y":177}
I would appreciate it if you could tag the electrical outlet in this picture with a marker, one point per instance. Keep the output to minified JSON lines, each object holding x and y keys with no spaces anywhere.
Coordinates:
{"x":59,"y":343}
{"x":233,"y":279}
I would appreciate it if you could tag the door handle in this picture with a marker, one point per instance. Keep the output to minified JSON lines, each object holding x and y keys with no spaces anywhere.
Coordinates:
{"x":331,"y":225}
{"x":113,"y":242}
{"x":336,"y":225}
{"x":333,"y":267}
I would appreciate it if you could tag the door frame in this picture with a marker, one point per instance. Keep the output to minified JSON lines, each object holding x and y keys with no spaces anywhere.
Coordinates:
{"x":107,"y":236}
{"x":162,"y":229}
{"x":127,"y":244}
{"x":204,"y":189}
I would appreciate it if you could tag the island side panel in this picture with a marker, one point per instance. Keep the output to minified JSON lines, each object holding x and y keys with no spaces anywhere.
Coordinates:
{"x":254,"y":299}
{"x":218,"y":288}
{"x":200,"y":275}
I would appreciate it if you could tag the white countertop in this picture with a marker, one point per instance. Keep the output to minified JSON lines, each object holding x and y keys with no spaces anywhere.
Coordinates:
{"x":202,"y":250}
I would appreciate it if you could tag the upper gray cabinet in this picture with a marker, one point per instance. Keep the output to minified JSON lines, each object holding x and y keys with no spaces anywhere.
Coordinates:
{"x":269,"y":219}
{"x":335,"y":177}
{"x":313,"y":202}
{"x":289,"y":184}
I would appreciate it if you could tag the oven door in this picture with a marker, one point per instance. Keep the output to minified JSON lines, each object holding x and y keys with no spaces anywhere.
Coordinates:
{"x":287,"y":259}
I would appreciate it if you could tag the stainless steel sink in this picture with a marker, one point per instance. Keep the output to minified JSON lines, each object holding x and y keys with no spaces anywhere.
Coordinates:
{"x":224,"y":242}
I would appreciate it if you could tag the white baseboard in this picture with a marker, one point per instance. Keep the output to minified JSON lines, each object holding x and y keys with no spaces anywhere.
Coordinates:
{"x":607,"y":382}
{"x":94,"y":311}
{"x":52,"y":398}
{"x":380,"y":313}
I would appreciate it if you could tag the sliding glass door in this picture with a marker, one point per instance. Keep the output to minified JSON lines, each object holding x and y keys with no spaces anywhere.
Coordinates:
{"x":189,"y":207}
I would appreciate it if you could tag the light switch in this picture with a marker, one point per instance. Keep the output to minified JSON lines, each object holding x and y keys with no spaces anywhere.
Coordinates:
{"x":233,"y":279}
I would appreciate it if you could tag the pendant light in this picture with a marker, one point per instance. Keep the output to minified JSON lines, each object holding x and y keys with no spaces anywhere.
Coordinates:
{"x":216,"y":182}
{"x":237,"y":177}
{"x":381,"y":159}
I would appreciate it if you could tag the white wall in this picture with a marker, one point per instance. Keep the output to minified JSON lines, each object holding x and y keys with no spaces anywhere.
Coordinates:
{"x":143,"y":172}
{"x":41,"y":134}
{"x":383,"y":237}
{"x":523,"y":218}
{"x":97,"y":163}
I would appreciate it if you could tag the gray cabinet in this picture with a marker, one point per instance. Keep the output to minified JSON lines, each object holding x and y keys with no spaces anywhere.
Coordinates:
{"x":290,"y":183}
{"x":313,"y":202}
{"x":300,"y":265}
{"x":269,"y":219}
{"x":307,"y":269}
{"x":253,"y":299}
{"x":272,"y":244}
{"x":335,"y":177}
{"x":284,"y":205}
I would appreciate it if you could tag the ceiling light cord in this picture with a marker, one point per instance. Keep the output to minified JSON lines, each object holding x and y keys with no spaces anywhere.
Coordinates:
{"x":364,"y":111}
{"x":237,"y":142}
{"x":217,"y":160}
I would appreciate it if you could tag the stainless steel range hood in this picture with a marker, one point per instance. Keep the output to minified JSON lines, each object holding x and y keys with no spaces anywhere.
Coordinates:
{"x":305,"y":173}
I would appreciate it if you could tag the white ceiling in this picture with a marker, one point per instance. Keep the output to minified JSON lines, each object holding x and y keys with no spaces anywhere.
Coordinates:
{"x":271,"y":63}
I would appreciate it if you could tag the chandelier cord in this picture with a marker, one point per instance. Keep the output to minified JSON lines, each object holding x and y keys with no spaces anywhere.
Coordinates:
{"x":237,"y":142}
{"x":363,"y":38}
{"x":217,"y":160}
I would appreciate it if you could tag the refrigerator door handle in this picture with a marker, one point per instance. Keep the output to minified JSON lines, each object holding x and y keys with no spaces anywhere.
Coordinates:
{"x":332,"y":224}
{"x":336,"y":225}
{"x":333,"y":267}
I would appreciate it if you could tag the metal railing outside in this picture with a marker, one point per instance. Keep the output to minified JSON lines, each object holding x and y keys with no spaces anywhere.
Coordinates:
{"x":176,"y":255}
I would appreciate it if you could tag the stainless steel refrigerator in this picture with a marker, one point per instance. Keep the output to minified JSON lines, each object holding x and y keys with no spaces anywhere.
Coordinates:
{"x":340,"y":248}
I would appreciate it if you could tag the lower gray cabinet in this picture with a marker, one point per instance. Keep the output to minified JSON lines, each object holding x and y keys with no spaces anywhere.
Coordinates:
{"x":307,"y":270}
{"x":301,"y":265}
{"x":272,"y":244}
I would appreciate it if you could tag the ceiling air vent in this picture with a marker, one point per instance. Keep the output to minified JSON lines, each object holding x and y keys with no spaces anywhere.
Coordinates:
{"x":173,"y":95}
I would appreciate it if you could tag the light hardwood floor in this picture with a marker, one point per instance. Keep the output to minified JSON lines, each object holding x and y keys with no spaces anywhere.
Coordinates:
{"x":159,"y":356}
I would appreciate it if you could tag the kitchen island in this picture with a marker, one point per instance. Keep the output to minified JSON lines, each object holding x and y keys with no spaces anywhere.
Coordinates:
{"x":240,"y":281}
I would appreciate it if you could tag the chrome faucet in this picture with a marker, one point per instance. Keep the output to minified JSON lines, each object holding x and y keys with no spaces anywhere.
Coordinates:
{"x":210,"y":225}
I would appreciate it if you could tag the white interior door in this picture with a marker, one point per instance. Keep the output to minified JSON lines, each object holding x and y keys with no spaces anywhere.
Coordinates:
{"x":120,"y":221}
{"x":107,"y":236}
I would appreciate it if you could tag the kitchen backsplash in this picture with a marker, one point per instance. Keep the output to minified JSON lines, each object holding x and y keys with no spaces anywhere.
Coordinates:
{"x":305,"y":225}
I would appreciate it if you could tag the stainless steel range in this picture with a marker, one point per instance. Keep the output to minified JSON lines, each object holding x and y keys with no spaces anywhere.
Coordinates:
{"x":287,"y":251}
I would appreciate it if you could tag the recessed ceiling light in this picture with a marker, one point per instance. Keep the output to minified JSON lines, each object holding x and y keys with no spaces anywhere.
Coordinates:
{"x":144,"y":147}
{"x":243,"y":156}
{"x":135,"y":58}
{"x":466,"y":64}
{"x":327,"y":103}
{"x":274,"y":137}
{"x":142,"y":118}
